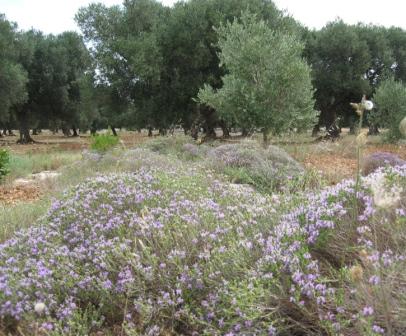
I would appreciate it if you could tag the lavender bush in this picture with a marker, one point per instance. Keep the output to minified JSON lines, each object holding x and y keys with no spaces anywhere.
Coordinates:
{"x":166,"y":249}
{"x":167,"y":144}
{"x":193,"y":152}
{"x":380,"y":159}
{"x":128,"y":246}
{"x":267,"y":169}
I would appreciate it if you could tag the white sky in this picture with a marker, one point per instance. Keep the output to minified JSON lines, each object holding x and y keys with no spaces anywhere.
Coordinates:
{"x":49,"y":16}
{"x":56,"y":16}
{"x":316,"y":13}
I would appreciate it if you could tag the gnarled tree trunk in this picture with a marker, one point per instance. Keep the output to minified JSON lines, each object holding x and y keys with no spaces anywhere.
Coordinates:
{"x":373,"y":130}
{"x":224,"y":128}
{"x":25,"y":137}
{"x":75,"y":131}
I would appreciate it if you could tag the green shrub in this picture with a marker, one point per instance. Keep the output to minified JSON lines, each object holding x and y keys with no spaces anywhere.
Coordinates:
{"x":103,"y":142}
{"x":167,"y":144}
{"x":4,"y":162}
{"x":390,"y":99}
{"x":267,"y":169}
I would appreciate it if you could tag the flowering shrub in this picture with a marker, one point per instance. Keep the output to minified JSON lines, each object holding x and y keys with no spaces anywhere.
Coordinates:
{"x":129,"y":246}
{"x":380,"y":159}
{"x":166,"y":249}
{"x":193,"y":152}
{"x":316,"y":243}
{"x":167,"y":144}
{"x":267,"y":169}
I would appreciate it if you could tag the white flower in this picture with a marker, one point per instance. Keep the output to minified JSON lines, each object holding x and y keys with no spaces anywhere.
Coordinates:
{"x":368,"y":105}
{"x":39,"y":308}
{"x":383,"y":196}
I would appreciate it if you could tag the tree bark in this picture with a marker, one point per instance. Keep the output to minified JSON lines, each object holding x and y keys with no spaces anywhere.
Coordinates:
{"x":10,"y":131}
{"x":194,"y":132}
{"x":66,"y":131}
{"x":373,"y":130}
{"x":25,"y":137}
{"x":208,"y":115}
{"x":75,"y":132}
{"x":265,"y":138}
{"x":316,"y":130}
{"x":224,"y":128}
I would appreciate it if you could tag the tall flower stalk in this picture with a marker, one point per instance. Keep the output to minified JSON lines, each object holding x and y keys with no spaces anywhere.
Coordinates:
{"x":360,"y":142}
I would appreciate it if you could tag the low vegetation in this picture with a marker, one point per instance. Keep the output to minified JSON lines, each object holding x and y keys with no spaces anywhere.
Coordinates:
{"x":153,"y":242}
{"x":103,"y":142}
{"x":390,"y":99}
{"x":4,"y":163}
{"x":22,"y":165}
{"x":380,"y":159}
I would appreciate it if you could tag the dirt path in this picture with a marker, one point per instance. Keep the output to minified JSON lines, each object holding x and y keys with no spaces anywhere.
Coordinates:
{"x":23,"y":193}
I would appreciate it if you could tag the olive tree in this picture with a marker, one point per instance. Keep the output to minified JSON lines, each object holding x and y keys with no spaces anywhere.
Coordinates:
{"x":13,"y":78}
{"x":267,"y":83}
{"x":390,"y":100}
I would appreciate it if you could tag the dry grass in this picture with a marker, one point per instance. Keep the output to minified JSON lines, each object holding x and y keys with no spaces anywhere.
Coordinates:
{"x":48,"y":142}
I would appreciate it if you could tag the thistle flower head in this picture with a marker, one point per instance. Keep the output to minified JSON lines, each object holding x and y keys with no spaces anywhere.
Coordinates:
{"x":39,"y":308}
{"x":368,"y":105}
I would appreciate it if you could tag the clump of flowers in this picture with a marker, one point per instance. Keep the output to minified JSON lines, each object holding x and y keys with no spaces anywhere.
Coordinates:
{"x":385,"y":194}
{"x":167,"y":144}
{"x":322,"y":237}
{"x":170,"y":250}
{"x":191,"y":151}
{"x":130,"y":245}
{"x":268,"y":169}
{"x":380,"y":159}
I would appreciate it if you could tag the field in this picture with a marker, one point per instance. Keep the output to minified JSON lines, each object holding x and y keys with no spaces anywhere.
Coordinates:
{"x":335,"y":160}
{"x":166,"y":236}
